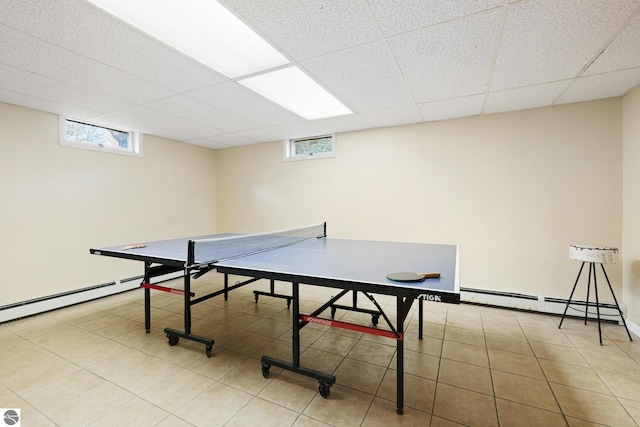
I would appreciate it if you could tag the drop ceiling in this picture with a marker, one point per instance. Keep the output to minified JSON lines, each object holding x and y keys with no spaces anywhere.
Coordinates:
{"x":392,"y":62}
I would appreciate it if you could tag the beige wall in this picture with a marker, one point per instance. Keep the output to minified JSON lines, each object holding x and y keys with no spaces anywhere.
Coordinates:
{"x":56,"y":202}
{"x":631,"y":204}
{"x":514,"y":190}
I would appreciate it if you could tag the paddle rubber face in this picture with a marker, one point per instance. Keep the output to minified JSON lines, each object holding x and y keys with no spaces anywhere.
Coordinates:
{"x":405,"y":276}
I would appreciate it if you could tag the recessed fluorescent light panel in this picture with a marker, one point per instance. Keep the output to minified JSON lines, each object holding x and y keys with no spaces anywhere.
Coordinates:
{"x":202,"y":29}
{"x":294,"y":90}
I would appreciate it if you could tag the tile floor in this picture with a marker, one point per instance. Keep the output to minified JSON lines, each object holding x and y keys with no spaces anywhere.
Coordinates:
{"x":92,"y":364}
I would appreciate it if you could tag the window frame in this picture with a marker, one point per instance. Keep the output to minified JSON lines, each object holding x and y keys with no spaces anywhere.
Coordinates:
{"x":135,"y":139}
{"x":288,"y":148}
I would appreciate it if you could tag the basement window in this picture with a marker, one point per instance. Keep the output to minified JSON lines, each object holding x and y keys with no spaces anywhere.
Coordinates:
{"x":316,"y":147}
{"x":79,"y":134}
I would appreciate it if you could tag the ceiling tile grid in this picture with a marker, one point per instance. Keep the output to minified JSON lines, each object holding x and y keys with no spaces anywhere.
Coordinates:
{"x":364,"y":77}
{"x":392,"y":62}
{"x":448,"y":60}
{"x":397,"y":17}
{"x":550,"y":40}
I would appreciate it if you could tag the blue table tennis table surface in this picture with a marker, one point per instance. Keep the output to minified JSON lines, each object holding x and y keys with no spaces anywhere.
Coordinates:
{"x":324,"y":260}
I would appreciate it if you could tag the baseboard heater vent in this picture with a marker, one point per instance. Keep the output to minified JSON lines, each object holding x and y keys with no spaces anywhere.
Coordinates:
{"x":541,"y":304}
{"x":52,"y":302}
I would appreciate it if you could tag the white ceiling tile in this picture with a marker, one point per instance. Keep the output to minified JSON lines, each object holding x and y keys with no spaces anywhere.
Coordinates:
{"x":160,"y":120}
{"x":448,"y":60}
{"x":364,"y":78}
{"x":242,"y":102}
{"x":44,"y":58}
{"x":601,"y":86}
{"x":623,"y":52}
{"x":195,"y":111}
{"x":524,"y":97}
{"x":300,"y":130}
{"x":263,"y":135}
{"x":85,"y":29}
{"x":306,"y":29}
{"x":231,"y":139}
{"x":395,"y":116}
{"x":205,"y":142}
{"x":46,"y":88}
{"x":21,"y":99}
{"x":396,"y":17}
{"x":346,"y":123}
{"x":550,"y":40}
{"x":452,"y":108}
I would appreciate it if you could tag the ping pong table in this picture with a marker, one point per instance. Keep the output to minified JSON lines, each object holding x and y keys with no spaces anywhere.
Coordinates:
{"x":303,"y":256}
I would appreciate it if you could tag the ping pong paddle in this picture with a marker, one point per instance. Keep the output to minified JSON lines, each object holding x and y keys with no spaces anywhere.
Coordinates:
{"x":134,"y":246}
{"x":405,"y":276}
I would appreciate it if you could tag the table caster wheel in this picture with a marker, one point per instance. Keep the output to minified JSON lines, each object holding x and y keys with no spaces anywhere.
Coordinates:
{"x":265,"y":370}
{"x":324,"y":389}
{"x":374,"y":320}
{"x":173,"y":339}
{"x":208,"y":350}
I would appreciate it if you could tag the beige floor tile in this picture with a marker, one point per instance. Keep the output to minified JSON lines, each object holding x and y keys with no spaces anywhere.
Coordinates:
{"x":290,"y":390}
{"x":173,"y":421}
{"x":146,"y":375}
{"x":427,"y":344}
{"x":50,"y":396}
{"x":344,"y":407}
{"x":622,"y":385}
{"x":609,"y":363}
{"x":441,"y":422}
{"x":215,"y":406}
{"x":595,"y":407}
{"x":174,"y":391}
{"x":499,"y":315}
{"x":319,"y":360}
{"x":88,"y":407}
{"x":271,"y":328}
{"x":465,"y":353}
{"x":506,"y":329}
{"x":335,"y":343}
{"x":513,"y":414}
{"x":382,"y":413}
{"x":248,"y":377}
{"x":464,"y":336}
{"x":592,"y":343}
{"x":464,"y":375}
{"x":419,"y":364}
{"x":249,"y":343}
{"x":358,"y":375}
{"x":551,"y":336}
{"x":463,"y":322}
{"x":136,"y":412}
{"x":370,"y":352}
{"x":558,"y":353}
{"x":418,"y":392}
{"x":575,"y":376}
{"x":304,"y":421}
{"x":576,"y":422}
{"x":535,"y":320}
{"x":465,"y":407}
{"x":525,"y":390}
{"x":632,"y":407}
{"x":23,"y":379}
{"x":515,"y":363}
{"x":221,"y":362}
{"x":263,"y":413}
{"x":508,"y":343}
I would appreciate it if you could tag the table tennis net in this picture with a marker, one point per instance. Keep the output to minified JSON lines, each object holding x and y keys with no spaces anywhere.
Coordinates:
{"x":207,"y":251}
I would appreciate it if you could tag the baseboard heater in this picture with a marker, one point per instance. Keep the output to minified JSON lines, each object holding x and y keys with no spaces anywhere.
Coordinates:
{"x":540,"y":303}
{"x":52,"y":302}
